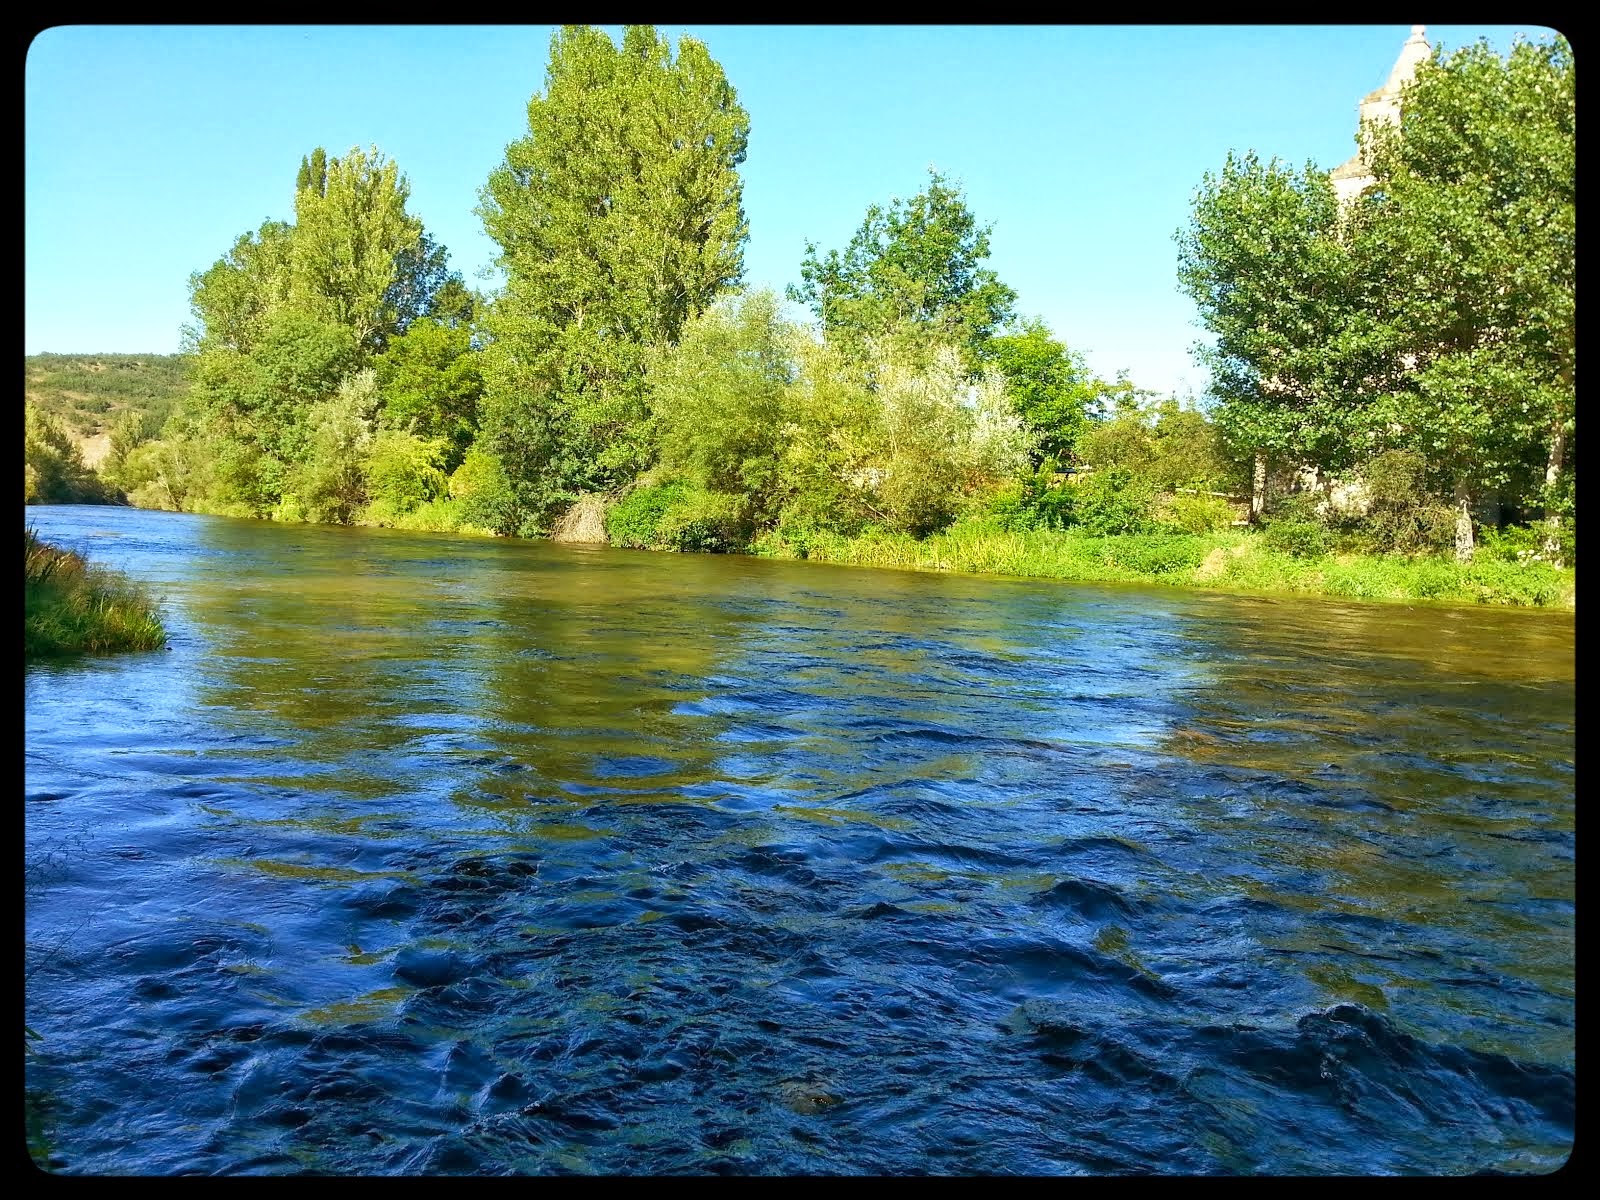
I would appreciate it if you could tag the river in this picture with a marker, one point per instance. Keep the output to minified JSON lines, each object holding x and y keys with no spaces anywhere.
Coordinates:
{"x":423,"y":855}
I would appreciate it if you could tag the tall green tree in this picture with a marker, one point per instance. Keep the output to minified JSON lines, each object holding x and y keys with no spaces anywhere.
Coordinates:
{"x":232,"y":297}
{"x":1471,"y":223}
{"x":1298,"y":350}
{"x":350,"y":238}
{"x":619,"y":218}
{"x":916,"y":265}
{"x":1051,"y":388}
{"x":1434,"y":315}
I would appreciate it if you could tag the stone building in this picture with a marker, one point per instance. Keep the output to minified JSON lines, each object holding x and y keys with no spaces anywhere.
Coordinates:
{"x":1352,"y":177}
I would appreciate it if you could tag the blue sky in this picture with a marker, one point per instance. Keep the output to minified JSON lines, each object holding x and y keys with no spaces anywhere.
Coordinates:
{"x":150,"y":148}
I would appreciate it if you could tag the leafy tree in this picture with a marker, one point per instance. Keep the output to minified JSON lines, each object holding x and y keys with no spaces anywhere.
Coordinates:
{"x":348,"y":243}
{"x":232,"y":298}
{"x":404,"y":471}
{"x":1050,"y":387}
{"x":720,"y":399}
{"x":431,"y":383}
{"x":915,"y":266}
{"x":1298,"y":351}
{"x":1435,"y":314}
{"x":1471,"y":223}
{"x":424,"y":287}
{"x":619,"y":218}
{"x":329,"y":479}
{"x":936,"y":436}
{"x":53,"y":467}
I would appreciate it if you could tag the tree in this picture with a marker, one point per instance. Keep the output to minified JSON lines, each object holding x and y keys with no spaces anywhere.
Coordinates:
{"x":1050,"y":387}
{"x":1472,"y":223}
{"x":423,"y":287}
{"x":232,"y":298}
{"x":721,"y":400}
{"x":1435,"y":314}
{"x":350,"y":239}
{"x":619,"y":218}
{"x":1298,"y":352}
{"x":431,"y":383}
{"x":917,"y":266}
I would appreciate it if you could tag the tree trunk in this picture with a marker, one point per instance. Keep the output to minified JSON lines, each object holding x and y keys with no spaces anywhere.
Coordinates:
{"x":1258,"y":491}
{"x":1463,"y":522}
{"x":1552,"y":476}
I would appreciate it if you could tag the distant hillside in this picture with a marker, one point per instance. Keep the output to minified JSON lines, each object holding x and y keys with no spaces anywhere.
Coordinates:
{"x":89,"y":391}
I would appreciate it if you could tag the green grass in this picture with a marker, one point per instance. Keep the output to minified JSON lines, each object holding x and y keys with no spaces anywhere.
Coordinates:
{"x":1233,"y":560}
{"x":70,"y":607}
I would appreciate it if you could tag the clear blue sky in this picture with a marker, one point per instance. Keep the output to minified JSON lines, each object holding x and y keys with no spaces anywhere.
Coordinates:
{"x":150,"y":148}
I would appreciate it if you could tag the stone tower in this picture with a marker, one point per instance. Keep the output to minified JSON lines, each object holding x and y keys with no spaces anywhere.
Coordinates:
{"x":1353,"y":177}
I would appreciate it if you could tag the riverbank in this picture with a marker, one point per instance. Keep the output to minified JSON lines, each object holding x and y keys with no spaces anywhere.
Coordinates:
{"x":1235,"y":561}
{"x":71,"y":607}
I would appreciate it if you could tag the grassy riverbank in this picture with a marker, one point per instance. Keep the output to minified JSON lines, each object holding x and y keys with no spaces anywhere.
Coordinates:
{"x":71,"y":607}
{"x":1233,"y":561}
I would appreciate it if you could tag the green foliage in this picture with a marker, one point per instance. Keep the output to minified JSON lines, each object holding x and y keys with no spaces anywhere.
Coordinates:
{"x":1114,"y":501}
{"x":633,"y":521}
{"x":1050,"y":387}
{"x":403,"y":471}
{"x":721,"y":399}
{"x":1298,"y":539}
{"x":1155,"y":554}
{"x":934,"y":437}
{"x":1403,"y":516}
{"x":1198,"y":514}
{"x":232,"y":297}
{"x":349,"y":240}
{"x":53,"y":469}
{"x":619,"y":218}
{"x":1435,"y":314}
{"x":1165,"y":443}
{"x":1033,"y":500}
{"x":329,"y":481}
{"x":915,"y":268}
{"x":70,"y":607}
{"x":484,"y":493}
{"x":700,"y":520}
{"x":430,"y":383}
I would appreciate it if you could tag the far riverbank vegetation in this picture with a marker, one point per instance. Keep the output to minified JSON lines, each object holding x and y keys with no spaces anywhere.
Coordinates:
{"x":1390,"y":411}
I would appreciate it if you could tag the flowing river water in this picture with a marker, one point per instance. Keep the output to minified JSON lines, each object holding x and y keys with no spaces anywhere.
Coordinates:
{"x":423,"y":855}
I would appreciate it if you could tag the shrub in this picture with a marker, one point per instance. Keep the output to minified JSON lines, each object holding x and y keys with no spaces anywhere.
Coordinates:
{"x":633,"y":521}
{"x":1298,"y":539}
{"x":1404,"y":517}
{"x":1031,"y":501}
{"x":1157,"y":554}
{"x":484,"y":493}
{"x":1113,"y":501}
{"x":711,"y":522}
{"x":1198,"y":514}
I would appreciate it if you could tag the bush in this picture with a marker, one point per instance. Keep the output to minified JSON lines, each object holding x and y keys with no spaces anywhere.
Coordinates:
{"x":1113,"y":501}
{"x":1032,"y":501}
{"x":711,"y":522}
{"x":479,"y":484}
{"x":633,"y":521}
{"x":1404,"y":517}
{"x":1198,"y":514}
{"x":403,"y":470}
{"x":1157,"y":554}
{"x":1298,"y":539}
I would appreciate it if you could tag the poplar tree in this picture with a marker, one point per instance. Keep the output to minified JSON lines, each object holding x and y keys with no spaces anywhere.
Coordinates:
{"x":619,"y":218}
